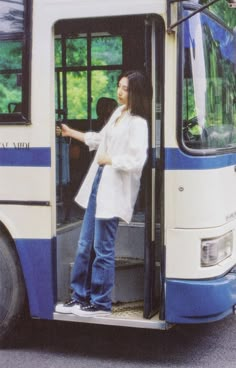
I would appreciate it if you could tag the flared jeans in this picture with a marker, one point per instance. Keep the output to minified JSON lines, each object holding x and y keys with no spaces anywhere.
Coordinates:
{"x":93,"y":273}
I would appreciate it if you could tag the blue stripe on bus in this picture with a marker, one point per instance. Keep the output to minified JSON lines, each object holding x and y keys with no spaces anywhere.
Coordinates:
{"x":175,"y":159}
{"x":38,"y":262}
{"x":199,"y":301}
{"x":28,"y":156}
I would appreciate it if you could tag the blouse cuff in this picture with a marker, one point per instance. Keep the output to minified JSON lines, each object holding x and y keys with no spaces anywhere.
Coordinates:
{"x":92,"y":140}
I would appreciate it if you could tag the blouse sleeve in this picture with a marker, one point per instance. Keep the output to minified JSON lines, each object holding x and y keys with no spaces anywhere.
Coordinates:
{"x":135,"y":156}
{"x":93,"y":139}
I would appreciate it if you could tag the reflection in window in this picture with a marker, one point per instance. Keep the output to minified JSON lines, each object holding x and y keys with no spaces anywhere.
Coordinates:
{"x":209,"y":93}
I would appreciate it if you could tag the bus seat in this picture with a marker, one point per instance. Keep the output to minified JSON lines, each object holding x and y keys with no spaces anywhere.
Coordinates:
{"x":104,"y":108}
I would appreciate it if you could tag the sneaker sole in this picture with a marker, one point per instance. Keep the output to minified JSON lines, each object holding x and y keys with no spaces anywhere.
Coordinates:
{"x":65,"y":310}
{"x":81,"y":313}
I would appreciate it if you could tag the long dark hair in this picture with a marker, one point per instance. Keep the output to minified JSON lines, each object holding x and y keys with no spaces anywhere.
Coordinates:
{"x":140,"y":93}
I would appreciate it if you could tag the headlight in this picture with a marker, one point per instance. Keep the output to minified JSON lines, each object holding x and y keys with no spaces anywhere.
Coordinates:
{"x":215,"y":250}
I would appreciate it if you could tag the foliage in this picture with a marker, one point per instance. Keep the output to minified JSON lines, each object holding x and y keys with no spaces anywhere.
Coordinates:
{"x":10,"y":60}
{"x":105,"y":58}
{"x":223,"y":11}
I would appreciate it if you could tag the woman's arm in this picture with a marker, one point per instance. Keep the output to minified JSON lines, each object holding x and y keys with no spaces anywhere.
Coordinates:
{"x":68,"y":132}
{"x":91,"y":139}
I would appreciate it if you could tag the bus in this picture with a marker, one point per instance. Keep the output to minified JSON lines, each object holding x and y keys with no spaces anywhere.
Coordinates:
{"x":59,"y":61}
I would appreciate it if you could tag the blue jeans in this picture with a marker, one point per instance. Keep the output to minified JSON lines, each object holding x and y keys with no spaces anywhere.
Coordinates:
{"x":93,"y":273}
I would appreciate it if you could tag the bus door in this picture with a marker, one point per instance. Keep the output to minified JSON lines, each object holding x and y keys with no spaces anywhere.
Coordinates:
{"x":89,"y":57}
{"x":154,"y":216}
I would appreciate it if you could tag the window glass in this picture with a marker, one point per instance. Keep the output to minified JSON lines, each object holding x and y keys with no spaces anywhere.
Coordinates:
{"x":11,"y":16}
{"x":10,"y":75}
{"x":11,"y":55}
{"x":76,"y":52}
{"x":77,"y":95}
{"x":209,"y":92}
{"x":104,"y":84}
{"x":58,"y":53}
{"x":106,"y":50}
{"x":87,"y":68}
{"x":13,"y":76}
{"x":10,"y":93}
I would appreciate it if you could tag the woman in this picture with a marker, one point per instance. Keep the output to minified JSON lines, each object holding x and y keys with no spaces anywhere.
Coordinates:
{"x":108,"y":193}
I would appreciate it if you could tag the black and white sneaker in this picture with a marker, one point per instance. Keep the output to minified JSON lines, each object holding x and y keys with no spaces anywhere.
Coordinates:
{"x":91,"y":310}
{"x":68,"y":307}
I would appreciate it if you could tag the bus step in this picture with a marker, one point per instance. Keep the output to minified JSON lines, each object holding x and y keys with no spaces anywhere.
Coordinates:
{"x":128,"y":280}
{"x":128,"y":285}
{"x":131,"y":319}
{"x":123,"y":314}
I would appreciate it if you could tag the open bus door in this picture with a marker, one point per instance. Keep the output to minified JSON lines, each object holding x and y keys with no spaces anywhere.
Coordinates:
{"x":137,"y":286}
{"x":154,"y":216}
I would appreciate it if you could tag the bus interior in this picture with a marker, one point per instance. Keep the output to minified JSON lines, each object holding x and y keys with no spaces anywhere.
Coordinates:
{"x":89,"y":56}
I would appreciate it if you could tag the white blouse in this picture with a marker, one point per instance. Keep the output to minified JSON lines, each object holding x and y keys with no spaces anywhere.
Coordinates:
{"x":126,"y":142}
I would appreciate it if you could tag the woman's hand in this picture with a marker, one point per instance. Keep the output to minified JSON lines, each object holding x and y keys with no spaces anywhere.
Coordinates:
{"x":58,"y":131}
{"x":104,"y":159}
{"x":63,"y":130}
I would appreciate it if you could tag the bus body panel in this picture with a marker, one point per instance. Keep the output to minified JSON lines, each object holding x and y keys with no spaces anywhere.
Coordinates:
{"x":209,"y":208}
{"x":211,"y":213}
{"x":199,"y":301}
{"x":80,"y":9}
{"x":27,"y":221}
{"x":27,"y":179}
{"x":183,"y":260}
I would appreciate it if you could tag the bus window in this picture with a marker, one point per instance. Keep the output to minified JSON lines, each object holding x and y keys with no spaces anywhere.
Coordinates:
{"x":87,"y":67}
{"x":209,"y":114}
{"x":13,"y":76}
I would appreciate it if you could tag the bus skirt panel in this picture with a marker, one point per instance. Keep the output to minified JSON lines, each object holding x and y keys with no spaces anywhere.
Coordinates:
{"x":199,"y":301}
{"x":38,"y":263}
